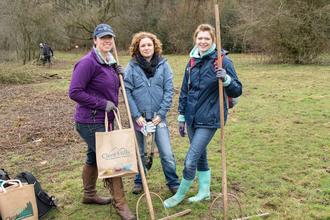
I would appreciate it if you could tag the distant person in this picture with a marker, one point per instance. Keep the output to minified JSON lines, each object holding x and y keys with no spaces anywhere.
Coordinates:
{"x":46,"y":52}
{"x":149,"y":87}
{"x":41,"y":51}
{"x":95,"y":87}
{"x":200,"y":110}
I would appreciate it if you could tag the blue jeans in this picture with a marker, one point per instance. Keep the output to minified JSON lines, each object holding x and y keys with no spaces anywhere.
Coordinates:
{"x":87,"y":132}
{"x":197,"y":155}
{"x":162,"y":139}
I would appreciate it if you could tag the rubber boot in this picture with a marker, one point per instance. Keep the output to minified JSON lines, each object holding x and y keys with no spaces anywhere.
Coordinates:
{"x":204,"y":180}
{"x":116,"y":188}
{"x":90,"y":196}
{"x":180,"y":194}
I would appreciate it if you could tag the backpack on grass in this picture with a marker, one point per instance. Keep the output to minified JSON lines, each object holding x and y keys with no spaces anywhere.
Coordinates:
{"x":231,"y":102}
{"x":45,"y":202}
{"x":4,"y":176}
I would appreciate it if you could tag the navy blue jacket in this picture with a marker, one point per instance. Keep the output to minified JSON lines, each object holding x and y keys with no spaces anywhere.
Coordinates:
{"x":200,"y":103}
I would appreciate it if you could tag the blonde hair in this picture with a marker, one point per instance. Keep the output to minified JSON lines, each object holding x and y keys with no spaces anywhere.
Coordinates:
{"x":205,"y":27}
{"x":134,"y":48}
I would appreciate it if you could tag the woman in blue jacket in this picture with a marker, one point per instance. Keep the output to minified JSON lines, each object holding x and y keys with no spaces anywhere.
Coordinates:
{"x":149,"y":87}
{"x":199,"y":109}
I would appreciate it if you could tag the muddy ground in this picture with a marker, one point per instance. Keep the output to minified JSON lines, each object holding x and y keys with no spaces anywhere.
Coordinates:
{"x":37,"y":126}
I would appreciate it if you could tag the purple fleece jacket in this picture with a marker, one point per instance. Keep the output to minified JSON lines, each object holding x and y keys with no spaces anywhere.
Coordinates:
{"x":92,"y":84}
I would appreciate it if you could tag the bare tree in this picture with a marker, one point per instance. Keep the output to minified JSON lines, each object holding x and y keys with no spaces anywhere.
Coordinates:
{"x":81,"y":17}
{"x":289,"y":31}
{"x":27,"y":24}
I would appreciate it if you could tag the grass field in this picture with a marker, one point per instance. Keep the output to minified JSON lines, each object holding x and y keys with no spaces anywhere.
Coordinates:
{"x":277,"y":144}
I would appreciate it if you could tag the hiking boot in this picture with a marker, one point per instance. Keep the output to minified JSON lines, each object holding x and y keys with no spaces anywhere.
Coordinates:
{"x":90,"y":196}
{"x":137,"y":189}
{"x":116,"y":188}
{"x":174,"y":190}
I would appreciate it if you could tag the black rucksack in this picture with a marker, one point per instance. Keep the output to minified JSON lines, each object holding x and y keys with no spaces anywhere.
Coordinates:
{"x":4,"y":175}
{"x":45,"y":202}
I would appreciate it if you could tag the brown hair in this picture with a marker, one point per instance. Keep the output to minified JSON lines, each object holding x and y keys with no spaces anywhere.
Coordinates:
{"x":134,"y":48}
{"x":205,"y":27}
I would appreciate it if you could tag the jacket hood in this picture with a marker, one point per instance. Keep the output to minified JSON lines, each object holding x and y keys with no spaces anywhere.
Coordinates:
{"x":195,"y":51}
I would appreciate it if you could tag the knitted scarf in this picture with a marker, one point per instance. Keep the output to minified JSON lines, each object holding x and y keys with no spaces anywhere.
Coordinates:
{"x":149,"y":68}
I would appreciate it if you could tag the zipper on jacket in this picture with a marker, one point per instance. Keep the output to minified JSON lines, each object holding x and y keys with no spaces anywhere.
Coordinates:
{"x":114,"y":79}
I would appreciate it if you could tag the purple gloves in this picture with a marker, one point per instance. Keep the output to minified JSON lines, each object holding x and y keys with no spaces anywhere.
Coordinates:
{"x":221,"y":74}
{"x":181,"y":129}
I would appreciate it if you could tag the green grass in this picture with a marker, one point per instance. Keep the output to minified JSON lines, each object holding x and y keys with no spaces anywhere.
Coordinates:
{"x":277,"y":147}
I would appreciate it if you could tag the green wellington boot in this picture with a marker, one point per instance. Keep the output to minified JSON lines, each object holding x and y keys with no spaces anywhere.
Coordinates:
{"x":204,"y":180}
{"x":180,"y":194}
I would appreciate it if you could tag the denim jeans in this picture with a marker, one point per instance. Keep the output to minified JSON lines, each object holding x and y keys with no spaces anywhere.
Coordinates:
{"x":162,"y":139}
{"x":87,"y":132}
{"x":197,"y":155}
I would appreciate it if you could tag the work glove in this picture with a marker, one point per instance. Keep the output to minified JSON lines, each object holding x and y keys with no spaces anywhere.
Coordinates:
{"x":141,"y":129}
{"x":150,"y":127}
{"x":146,"y":128}
{"x":221,"y":74}
{"x":110,"y":106}
{"x":181,"y":129}
{"x":120,"y":70}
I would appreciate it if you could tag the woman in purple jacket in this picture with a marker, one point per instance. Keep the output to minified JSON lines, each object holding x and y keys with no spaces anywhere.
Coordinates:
{"x":94,"y":86}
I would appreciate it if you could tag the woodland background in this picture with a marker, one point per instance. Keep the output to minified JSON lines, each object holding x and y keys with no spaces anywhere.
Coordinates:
{"x":287,"y":31}
{"x":277,"y":137}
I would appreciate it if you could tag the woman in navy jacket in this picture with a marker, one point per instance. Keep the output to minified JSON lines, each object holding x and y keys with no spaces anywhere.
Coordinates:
{"x":199,"y":109}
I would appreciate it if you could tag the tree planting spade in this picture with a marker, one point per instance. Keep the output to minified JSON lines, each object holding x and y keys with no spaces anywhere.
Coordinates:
{"x":151,"y":155}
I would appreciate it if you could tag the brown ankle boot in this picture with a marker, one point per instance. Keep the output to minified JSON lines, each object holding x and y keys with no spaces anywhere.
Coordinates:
{"x":90,"y":196}
{"x":116,"y":188}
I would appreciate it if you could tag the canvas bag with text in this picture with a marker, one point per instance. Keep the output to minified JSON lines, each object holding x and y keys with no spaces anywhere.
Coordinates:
{"x":115,"y":151}
{"x":18,"y":201}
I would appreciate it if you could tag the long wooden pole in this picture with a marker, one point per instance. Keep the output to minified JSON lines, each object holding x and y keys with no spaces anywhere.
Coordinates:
{"x":222,"y":120}
{"x":144,"y":180}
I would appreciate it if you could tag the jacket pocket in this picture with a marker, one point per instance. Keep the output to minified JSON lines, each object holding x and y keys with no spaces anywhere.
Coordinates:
{"x":138,"y":82}
{"x":206,"y":114}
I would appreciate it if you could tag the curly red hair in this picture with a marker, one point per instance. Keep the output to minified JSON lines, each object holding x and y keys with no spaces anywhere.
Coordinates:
{"x":134,"y":48}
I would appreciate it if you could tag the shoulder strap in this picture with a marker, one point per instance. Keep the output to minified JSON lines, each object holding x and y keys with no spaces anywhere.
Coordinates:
{"x":192,"y":62}
{"x":216,"y":62}
{"x":40,"y":193}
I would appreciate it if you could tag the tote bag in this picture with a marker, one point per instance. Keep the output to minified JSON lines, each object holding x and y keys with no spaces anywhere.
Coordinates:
{"x":115,"y":151}
{"x":18,"y":201}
